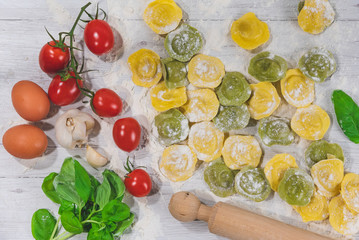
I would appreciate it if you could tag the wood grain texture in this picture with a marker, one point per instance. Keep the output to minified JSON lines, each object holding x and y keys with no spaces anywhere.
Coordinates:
{"x":22,"y":35}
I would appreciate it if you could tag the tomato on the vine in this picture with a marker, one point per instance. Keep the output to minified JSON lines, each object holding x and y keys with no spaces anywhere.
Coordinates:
{"x":137,"y":181}
{"x":99,"y":37}
{"x":107,"y":103}
{"x":63,"y":93}
{"x":127,"y":134}
{"x":53,"y":59}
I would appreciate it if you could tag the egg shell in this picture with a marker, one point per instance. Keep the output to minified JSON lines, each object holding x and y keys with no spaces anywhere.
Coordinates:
{"x":25,"y":141}
{"x":30,"y":100}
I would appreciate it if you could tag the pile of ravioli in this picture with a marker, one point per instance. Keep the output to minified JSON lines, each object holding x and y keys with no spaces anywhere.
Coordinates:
{"x":199,"y":103}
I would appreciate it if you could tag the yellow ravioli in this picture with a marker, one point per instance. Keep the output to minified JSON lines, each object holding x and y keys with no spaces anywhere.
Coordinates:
{"x":341,"y":218}
{"x":249,"y":32}
{"x":264,"y":100}
{"x":146,"y":68}
{"x":163,"y":98}
{"x":205,"y":71}
{"x":316,"y":210}
{"x":178,"y":162}
{"x":240,"y":151}
{"x":350,"y":191}
{"x":202,"y":105}
{"x":327,"y":176}
{"x":206,"y":141}
{"x":315,"y":16}
{"x":297,"y":89}
{"x":276,"y":167}
{"x":162,"y":16}
{"x":310,"y":122}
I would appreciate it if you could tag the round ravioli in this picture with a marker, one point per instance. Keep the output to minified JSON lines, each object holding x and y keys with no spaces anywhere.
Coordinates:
{"x":276,"y":167}
{"x":174,"y":73}
{"x":327,"y":176}
{"x":297,"y":89}
{"x":310,"y":122}
{"x":206,"y":141}
{"x":252,"y":183}
{"x":183,"y":43}
{"x":202,"y":105}
{"x":232,"y":118}
{"x":341,"y":218}
{"x":322,"y":150}
{"x":171,"y":127}
{"x":317,"y":64}
{"x":316,"y":210}
{"x":146,"y":68}
{"x":234,"y":90}
{"x":163,"y":99}
{"x":264,"y":101}
{"x":267,"y":67}
{"x":350,"y":191}
{"x":315,"y":16}
{"x":162,"y":16}
{"x":249,"y":32}
{"x":219,"y":178}
{"x":296,"y":187}
{"x":274,"y":130}
{"x":178,"y":162}
{"x":240,"y":151}
{"x":205,"y":71}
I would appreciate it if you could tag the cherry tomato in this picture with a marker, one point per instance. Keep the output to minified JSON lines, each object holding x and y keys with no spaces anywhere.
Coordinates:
{"x":98,"y":37}
{"x":107,"y":103}
{"x":63,"y":93}
{"x":53,"y":59}
{"x":138,"y":183}
{"x":127,"y":134}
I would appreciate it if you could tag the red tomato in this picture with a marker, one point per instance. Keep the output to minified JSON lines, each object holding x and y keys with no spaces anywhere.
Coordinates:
{"x":53,"y":59}
{"x":63,"y":93}
{"x":127,"y":134}
{"x":107,"y":103}
{"x":138,"y":183}
{"x":98,"y":37}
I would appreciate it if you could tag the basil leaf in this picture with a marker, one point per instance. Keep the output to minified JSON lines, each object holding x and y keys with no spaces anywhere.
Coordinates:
{"x":347,"y":112}
{"x":103,"y":193}
{"x":111,"y":226}
{"x":82,"y":182}
{"x":103,"y":234}
{"x":122,"y":226}
{"x":42,"y":224}
{"x":49,"y":189}
{"x":117,"y":186}
{"x":94,"y":184}
{"x":71,"y":223}
{"x":115,"y":211}
{"x":67,"y":206}
{"x":64,"y":183}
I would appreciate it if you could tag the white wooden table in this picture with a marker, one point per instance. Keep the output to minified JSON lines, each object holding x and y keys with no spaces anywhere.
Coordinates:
{"x":22,"y":35}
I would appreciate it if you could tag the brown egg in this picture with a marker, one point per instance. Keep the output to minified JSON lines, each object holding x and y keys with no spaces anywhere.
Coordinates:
{"x":25,"y":141}
{"x":30,"y":101}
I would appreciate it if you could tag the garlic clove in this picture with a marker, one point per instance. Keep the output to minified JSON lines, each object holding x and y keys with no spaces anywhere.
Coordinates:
{"x":95,"y":159}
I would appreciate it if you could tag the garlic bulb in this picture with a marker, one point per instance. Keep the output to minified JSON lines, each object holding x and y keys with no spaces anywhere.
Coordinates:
{"x":94,"y":158}
{"x":73,"y":127}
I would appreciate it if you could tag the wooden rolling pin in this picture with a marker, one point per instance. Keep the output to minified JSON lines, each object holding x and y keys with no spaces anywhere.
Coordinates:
{"x":233,"y":222}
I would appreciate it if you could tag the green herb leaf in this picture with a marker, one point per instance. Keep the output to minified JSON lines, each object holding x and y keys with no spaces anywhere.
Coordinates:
{"x":111,"y":226}
{"x":117,"y":186}
{"x":67,"y":206}
{"x":103,"y":234}
{"x":82,"y":182}
{"x":115,"y":211}
{"x":94,"y":184}
{"x":64,"y":183}
{"x":347,"y":112}
{"x":42,"y":224}
{"x":49,"y":189}
{"x":103,"y":193}
{"x":71,"y":223}
{"x":122,"y":226}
